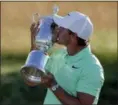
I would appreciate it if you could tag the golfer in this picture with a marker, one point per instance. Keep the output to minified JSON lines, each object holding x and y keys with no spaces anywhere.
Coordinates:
{"x":74,"y":75}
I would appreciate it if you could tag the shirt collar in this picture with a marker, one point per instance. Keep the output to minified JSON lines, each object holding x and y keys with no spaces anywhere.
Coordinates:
{"x":80,"y":54}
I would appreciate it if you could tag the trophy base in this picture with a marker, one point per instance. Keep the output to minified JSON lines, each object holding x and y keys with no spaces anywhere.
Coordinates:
{"x":32,"y":74}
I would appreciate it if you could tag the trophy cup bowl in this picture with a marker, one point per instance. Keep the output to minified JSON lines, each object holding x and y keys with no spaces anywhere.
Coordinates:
{"x":34,"y":67}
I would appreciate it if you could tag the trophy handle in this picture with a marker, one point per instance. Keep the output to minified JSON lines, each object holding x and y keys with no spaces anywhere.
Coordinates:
{"x":36,"y":17}
{"x":55,"y":9}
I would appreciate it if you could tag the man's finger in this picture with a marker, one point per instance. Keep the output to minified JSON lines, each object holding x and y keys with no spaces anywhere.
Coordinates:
{"x":49,"y":74}
{"x":44,"y":80}
{"x":38,"y":30}
{"x":37,"y":25}
{"x":32,"y":26}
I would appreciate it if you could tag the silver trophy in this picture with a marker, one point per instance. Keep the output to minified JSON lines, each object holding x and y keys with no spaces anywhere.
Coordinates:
{"x":35,"y":63}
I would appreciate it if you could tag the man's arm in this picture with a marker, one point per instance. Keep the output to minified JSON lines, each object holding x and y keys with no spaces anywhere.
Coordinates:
{"x":66,"y":99}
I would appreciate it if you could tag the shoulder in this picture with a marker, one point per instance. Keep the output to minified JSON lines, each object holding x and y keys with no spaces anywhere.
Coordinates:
{"x":93,"y":69}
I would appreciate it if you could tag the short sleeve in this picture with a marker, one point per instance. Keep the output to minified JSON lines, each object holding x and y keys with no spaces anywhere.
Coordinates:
{"x":90,"y":82}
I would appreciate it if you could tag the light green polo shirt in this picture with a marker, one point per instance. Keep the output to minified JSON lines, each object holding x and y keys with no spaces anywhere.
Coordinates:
{"x":79,"y":73}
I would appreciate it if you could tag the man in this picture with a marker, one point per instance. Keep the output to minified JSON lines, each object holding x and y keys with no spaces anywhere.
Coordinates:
{"x":74,"y":75}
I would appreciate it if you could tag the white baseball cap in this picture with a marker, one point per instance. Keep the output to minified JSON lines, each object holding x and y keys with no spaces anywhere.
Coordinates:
{"x":77,"y":22}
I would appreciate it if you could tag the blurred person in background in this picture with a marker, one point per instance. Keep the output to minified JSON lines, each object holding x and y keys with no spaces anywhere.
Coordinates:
{"x":74,"y":75}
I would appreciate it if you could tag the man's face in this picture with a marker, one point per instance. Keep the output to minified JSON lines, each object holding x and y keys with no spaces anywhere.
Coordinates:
{"x":55,"y":34}
{"x":63,"y":36}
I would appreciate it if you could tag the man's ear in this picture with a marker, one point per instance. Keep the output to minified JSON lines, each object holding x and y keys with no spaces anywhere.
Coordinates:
{"x":73,"y":38}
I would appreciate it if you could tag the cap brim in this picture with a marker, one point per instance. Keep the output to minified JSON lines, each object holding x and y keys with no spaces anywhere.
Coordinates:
{"x":59,"y":20}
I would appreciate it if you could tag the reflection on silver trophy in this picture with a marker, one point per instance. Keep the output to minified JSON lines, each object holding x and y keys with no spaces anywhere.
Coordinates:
{"x":35,"y":63}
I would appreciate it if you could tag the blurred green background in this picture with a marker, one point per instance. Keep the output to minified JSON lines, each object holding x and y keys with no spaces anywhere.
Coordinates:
{"x":16,"y":18}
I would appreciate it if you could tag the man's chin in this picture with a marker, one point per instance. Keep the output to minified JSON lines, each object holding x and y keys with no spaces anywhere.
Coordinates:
{"x":58,"y":42}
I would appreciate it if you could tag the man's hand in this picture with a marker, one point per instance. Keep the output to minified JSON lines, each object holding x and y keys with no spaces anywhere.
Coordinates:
{"x":34,"y":30}
{"x":29,"y":83}
{"x":48,"y":80}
